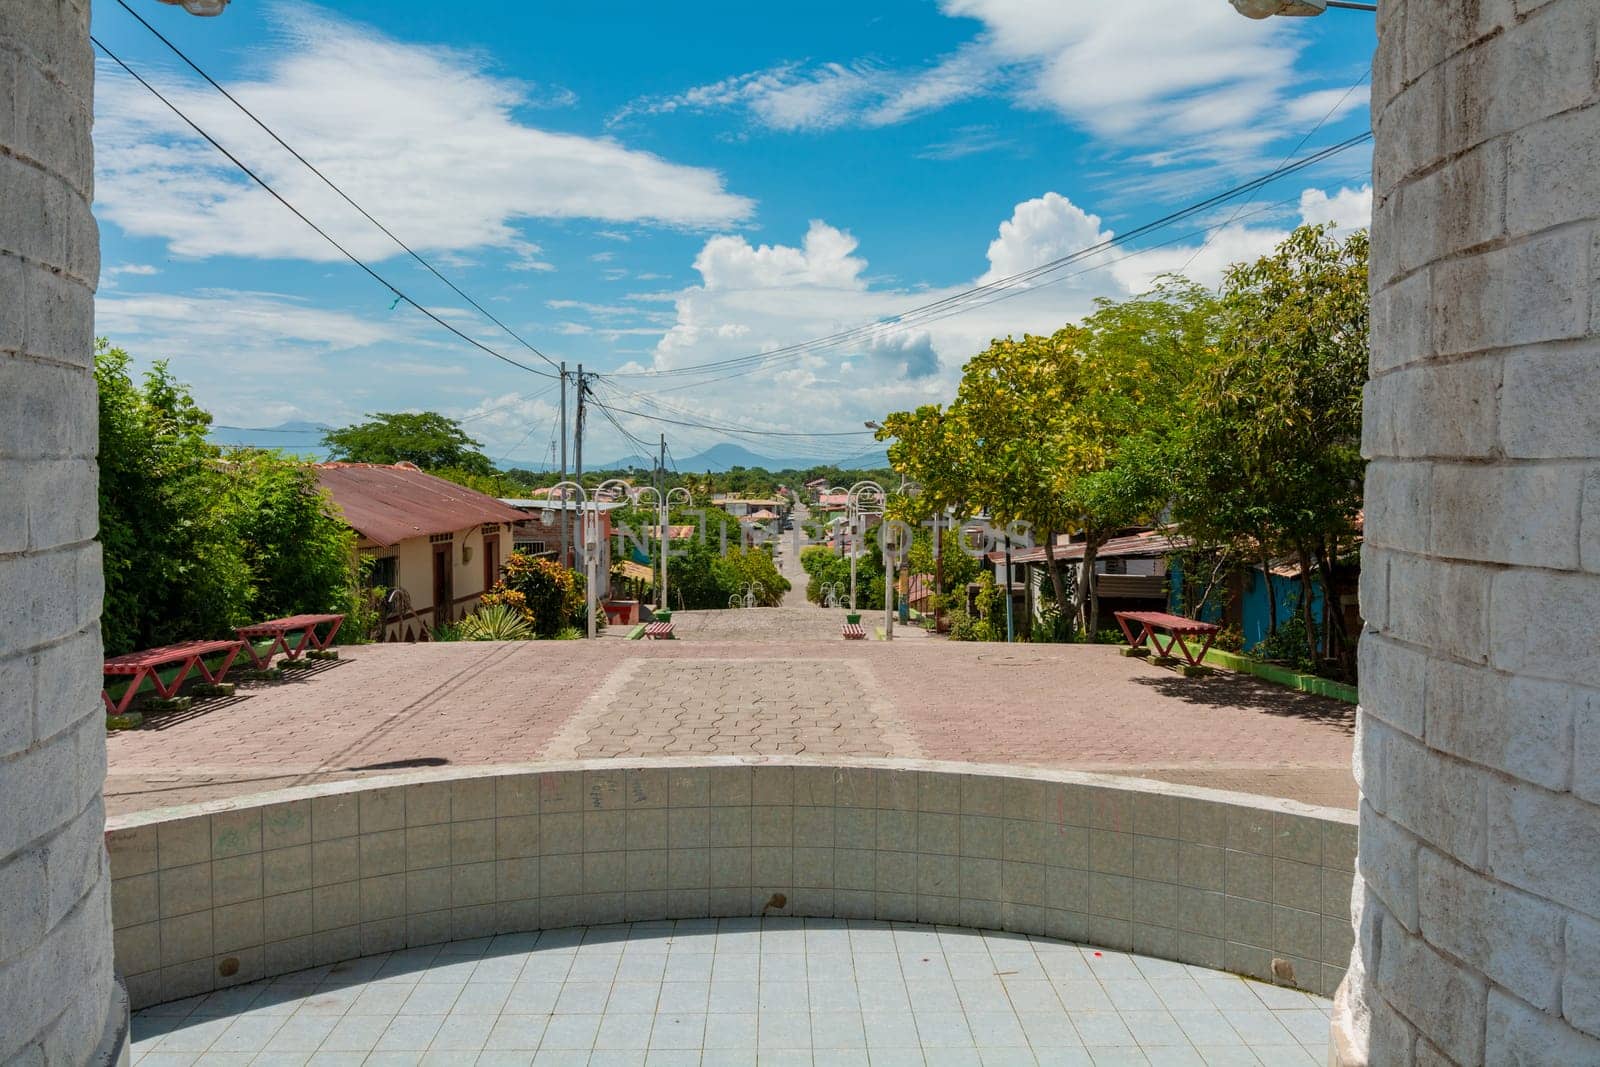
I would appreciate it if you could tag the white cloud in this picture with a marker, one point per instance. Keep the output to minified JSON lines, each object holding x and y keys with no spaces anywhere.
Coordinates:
{"x":231,"y":319}
{"x":823,"y":259}
{"x":760,"y":298}
{"x":800,"y":97}
{"x":142,"y":270}
{"x":1348,"y":209}
{"x":354,"y":101}
{"x":1189,"y":76}
{"x":1038,"y":231}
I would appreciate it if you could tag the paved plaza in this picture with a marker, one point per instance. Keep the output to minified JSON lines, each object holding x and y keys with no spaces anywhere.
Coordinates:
{"x":741,"y":992}
{"x":775,"y":681}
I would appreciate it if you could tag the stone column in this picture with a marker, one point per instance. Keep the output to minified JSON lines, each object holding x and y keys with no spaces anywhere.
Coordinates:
{"x":59,"y":1002}
{"x":1477,"y":898}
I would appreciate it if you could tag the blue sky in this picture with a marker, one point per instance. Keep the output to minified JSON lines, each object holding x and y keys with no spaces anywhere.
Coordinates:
{"x":644,"y":187}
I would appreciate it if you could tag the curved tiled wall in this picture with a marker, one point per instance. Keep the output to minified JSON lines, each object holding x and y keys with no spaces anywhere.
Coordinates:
{"x":222,"y":893}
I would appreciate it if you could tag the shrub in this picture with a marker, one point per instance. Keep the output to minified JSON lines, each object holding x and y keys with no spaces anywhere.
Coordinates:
{"x":497,"y":622}
{"x":964,"y":627}
{"x":552,"y":595}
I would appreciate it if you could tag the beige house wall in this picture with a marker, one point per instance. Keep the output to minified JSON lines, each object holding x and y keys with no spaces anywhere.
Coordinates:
{"x":414,"y":574}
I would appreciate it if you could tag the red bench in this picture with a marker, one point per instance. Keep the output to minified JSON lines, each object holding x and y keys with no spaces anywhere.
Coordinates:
{"x":854,"y":631}
{"x":659,"y":631}
{"x":187,"y":655}
{"x":280,"y":629}
{"x":1153,"y":623}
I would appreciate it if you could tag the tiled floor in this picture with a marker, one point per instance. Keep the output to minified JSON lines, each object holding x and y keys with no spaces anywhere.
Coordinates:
{"x":743,"y":991}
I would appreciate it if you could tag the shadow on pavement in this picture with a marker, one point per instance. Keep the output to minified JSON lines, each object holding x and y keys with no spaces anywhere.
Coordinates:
{"x":1252,"y":694}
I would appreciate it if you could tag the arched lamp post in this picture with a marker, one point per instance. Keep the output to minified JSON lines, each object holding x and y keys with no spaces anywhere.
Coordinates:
{"x":863,"y":498}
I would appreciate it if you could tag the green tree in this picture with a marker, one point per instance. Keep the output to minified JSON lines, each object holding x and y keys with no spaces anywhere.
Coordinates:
{"x":1283,"y":405}
{"x":430,"y":440}
{"x":197,"y":541}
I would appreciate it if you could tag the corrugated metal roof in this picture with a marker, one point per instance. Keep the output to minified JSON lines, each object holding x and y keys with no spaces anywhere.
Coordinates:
{"x":1151,"y":543}
{"x":388,"y":504}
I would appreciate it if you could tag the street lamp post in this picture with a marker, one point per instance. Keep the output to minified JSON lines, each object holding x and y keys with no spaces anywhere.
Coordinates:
{"x":664,"y":516}
{"x":873,"y":496}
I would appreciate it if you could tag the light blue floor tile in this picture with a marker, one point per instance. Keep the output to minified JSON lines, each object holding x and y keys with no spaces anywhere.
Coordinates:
{"x":730,"y":1030}
{"x":678,"y":1030}
{"x":516,"y":1032}
{"x":1101,"y":1028}
{"x":835,"y":1030}
{"x":783,"y":1030}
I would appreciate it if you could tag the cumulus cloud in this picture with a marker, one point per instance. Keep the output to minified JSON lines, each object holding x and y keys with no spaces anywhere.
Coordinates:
{"x":354,"y":101}
{"x":760,"y":298}
{"x":1347,"y":209}
{"x":1038,"y":231}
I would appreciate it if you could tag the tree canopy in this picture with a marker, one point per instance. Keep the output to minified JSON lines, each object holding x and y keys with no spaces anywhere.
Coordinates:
{"x":432,"y":441}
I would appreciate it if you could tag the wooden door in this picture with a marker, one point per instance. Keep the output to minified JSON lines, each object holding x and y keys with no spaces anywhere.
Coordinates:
{"x":491,"y":561}
{"x":444,"y":586}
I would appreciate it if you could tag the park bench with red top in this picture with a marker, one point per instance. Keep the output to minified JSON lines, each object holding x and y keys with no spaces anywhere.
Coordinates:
{"x":281,"y":629}
{"x":854,"y":631}
{"x":186,"y":656}
{"x":659,"y":631}
{"x":1153,"y":623}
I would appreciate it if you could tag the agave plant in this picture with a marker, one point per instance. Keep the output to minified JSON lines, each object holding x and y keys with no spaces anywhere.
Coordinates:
{"x":497,"y":622}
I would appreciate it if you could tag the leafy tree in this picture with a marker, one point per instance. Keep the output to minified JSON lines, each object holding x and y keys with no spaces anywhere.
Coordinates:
{"x":428,"y":439}
{"x":1283,"y":404}
{"x":197,"y":541}
{"x":752,"y":566}
{"x":1066,"y":432}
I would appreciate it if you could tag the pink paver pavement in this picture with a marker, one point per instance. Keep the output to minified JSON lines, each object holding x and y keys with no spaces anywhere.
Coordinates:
{"x":1073,"y":706}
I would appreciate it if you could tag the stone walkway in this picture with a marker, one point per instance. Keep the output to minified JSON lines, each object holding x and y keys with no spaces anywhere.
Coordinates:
{"x":742,"y":992}
{"x":773,"y":690}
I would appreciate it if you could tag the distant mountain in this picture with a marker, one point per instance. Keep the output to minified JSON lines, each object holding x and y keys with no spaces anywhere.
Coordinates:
{"x":725,"y":457}
{"x":721,"y":458}
{"x":296,"y":438}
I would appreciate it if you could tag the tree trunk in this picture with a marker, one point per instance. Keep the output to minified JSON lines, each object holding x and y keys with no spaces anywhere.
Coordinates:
{"x":1063,"y":607}
{"x":1332,"y":613}
{"x":1306,"y":613}
{"x":1091,"y":588}
{"x":1272,"y":593}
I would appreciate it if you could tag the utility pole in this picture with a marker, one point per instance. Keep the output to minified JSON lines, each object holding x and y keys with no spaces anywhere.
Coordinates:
{"x":584,"y":533}
{"x":666,"y":518}
{"x":566,"y":557}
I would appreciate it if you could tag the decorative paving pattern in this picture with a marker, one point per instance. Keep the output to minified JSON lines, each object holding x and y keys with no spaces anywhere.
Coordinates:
{"x":744,"y":992}
{"x":1070,"y":706}
{"x":735,"y":707}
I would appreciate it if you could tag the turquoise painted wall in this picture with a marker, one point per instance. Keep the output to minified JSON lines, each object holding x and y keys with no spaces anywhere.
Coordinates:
{"x":1254,"y":607}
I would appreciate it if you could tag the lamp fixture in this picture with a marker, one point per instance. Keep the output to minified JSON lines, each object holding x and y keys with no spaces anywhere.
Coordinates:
{"x":204,"y":8}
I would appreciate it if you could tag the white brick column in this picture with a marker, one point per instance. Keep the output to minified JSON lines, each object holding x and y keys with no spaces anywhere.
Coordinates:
{"x":59,"y":1003}
{"x":1477,"y":897}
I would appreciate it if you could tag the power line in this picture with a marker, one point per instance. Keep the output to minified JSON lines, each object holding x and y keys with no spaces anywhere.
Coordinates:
{"x":911,"y":317}
{"x":399,"y":294}
{"x":270,"y":132}
{"x":1286,"y":157}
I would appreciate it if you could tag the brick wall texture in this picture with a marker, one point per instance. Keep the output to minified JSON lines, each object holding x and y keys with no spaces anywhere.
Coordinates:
{"x":1477,"y":903}
{"x":56,"y":985}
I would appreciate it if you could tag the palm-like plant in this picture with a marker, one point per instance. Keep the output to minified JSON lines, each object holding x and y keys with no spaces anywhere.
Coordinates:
{"x":497,"y":622}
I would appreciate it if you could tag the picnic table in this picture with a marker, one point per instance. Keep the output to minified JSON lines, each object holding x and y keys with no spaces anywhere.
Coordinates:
{"x":186,"y":655}
{"x":659,"y":631}
{"x":854,"y":631}
{"x":1177,"y":627}
{"x":279,"y":631}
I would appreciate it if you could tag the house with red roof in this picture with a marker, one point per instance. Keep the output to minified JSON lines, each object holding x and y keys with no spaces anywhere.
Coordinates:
{"x":435,"y":547}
